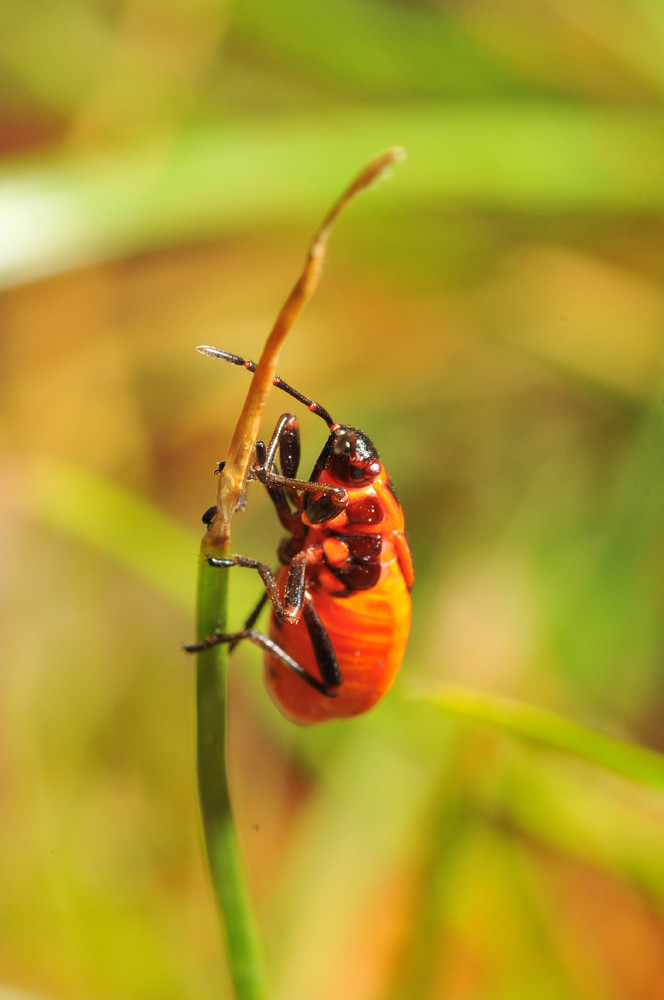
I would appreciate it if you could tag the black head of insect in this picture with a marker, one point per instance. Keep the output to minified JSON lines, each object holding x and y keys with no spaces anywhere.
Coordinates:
{"x":351,"y":462}
{"x":349,"y":456}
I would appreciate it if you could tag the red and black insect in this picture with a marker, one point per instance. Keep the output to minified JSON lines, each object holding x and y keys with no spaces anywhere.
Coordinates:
{"x":341,"y":599}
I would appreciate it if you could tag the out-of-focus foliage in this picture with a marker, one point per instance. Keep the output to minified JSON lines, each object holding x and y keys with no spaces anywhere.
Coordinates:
{"x":494,"y":318}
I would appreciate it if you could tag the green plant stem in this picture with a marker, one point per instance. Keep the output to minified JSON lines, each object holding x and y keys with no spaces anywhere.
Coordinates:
{"x":224,"y":856}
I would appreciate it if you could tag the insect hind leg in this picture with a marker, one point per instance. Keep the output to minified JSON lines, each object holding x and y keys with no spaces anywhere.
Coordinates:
{"x":250,"y":620}
{"x":268,"y":646}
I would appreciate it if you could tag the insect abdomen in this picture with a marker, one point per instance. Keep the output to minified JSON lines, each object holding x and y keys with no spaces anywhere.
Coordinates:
{"x":368,"y":630}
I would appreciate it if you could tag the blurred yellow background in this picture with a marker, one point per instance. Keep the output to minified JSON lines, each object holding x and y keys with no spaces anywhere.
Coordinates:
{"x":494,"y":319}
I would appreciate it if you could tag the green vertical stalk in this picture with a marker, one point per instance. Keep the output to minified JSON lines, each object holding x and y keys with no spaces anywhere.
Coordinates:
{"x":224,"y":856}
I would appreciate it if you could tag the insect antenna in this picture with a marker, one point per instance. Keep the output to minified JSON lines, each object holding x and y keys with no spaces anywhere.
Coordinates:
{"x":235,"y":359}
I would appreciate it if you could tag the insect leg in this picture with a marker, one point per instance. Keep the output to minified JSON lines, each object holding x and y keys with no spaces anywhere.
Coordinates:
{"x":251,"y":619}
{"x":268,"y":646}
{"x":330,"y":502}
{"x":296,"y":604}
{"x":322,"y":646}
{"x":286,"y":438}
{"x":277,"y":494}
{"x":290,"y":608}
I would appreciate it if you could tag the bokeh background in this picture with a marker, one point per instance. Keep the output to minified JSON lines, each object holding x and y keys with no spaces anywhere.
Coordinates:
{"x":494,"y":318}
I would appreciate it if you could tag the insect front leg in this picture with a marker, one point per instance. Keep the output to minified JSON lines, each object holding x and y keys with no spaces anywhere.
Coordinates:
{"x":284,"y":487}
{"x":286,"y":440}
{"x":330,"y":500}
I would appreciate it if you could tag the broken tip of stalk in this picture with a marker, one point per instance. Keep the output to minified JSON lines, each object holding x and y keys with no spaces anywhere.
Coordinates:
{"x":233,"y":483}
{"x":391,"y":158}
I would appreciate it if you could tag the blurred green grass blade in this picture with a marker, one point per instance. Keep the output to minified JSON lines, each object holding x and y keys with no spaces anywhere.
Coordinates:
{"x":387,"y":757}
{"x":634,"y":31}
{"x":62,"y":212}
{"x":540,"y":961}
{"x":115,"y":522}
{"x":605,"y":585}
{"x":438,"y":857}
{"x":54,"y":48}
{"x":587,"y":820}
{"x":373,"y":48}
{"x":549,"y":730}
{"x":121,"y":526}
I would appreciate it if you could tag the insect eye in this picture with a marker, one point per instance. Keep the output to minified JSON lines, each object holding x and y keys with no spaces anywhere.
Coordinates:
{"x":365,"y":472}
{"x":344,"y":445}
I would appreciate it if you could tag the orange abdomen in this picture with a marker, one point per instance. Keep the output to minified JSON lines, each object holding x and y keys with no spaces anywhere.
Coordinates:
{"x":368,"y":630}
